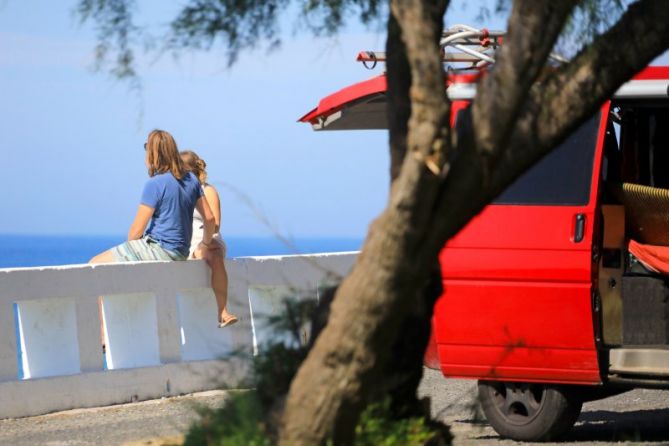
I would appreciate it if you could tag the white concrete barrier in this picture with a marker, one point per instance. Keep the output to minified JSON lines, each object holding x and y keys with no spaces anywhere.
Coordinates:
{"x":161,"y":333}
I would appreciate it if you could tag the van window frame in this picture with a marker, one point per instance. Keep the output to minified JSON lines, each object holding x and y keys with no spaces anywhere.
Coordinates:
{"x":579,"y":194}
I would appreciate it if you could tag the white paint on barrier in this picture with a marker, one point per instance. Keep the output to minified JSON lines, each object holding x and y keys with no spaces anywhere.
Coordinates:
{"x":169,"y":326}
{"x":160,"y":327}
{"x":9,"y":366}
{"x":40,"y":396}
{"x":48,"y":333}
{"x":266,"y":301}
{"x":200,"y":336}
{"x":131,"y":330}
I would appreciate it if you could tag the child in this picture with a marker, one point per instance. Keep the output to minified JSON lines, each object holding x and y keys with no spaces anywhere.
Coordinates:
{"x":219,"y":277}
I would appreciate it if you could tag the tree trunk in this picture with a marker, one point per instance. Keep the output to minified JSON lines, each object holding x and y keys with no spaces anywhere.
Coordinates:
{"x":438,"y":189}
{"x":404,"y":372}
{"x":399,"y":103}
{"x":349,"y":357}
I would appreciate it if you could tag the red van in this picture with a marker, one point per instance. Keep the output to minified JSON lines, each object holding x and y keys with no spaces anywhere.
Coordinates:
{"x":541,"y":304}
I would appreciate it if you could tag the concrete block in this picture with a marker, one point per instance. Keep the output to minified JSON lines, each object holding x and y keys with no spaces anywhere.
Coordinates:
{"x":160,"y":327}
{"x":88,"y":334}
{"x":8,"y":353}
{"x":48,"y":337}
{"x":41,"y":396}
{"x":131,"y":330}
{"x":169,"y":334}
{"x":200,"y":336}
{"x":266,"y":301}
{"x":238,"y":304}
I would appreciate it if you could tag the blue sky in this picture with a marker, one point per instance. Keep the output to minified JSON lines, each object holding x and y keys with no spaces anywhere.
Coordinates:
{"x":71,"y":140}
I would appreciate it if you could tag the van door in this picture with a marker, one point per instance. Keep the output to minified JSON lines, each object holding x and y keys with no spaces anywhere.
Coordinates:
{"x":518,"y":279}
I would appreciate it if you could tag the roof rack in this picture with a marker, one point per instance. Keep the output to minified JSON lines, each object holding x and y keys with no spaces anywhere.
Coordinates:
{"x":459,"y":44}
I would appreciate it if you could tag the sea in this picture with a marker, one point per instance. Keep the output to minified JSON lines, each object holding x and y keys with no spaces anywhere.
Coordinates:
{"x":47,"y":250}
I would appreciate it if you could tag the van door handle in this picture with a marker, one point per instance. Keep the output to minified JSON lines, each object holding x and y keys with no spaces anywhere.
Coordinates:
{"x":579,"y":228}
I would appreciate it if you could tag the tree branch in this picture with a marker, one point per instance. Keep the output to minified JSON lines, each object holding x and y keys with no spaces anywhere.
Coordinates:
{"x":574,"y":93}
{"x":116,"y":35}
{"x":552,"y":111}
{"x":640,"y":35}
{"x":399,"y":104}
{"x":429,"y":130}
{"x":483,"y":131}
{"x":534,"y":27}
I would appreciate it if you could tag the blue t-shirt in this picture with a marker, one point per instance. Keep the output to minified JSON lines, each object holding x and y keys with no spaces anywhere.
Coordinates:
{"x":173,"y":202}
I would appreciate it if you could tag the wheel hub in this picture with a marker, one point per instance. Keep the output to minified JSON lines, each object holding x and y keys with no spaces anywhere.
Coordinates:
{"x":518,"y":403}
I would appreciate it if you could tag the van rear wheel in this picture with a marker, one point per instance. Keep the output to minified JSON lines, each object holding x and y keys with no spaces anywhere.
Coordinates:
{"x":528,"y":412}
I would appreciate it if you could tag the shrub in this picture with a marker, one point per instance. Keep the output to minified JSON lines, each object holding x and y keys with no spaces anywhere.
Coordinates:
{"x":249,"y":418}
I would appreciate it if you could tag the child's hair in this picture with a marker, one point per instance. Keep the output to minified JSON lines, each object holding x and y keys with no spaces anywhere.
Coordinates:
{"x":195,"y":164}
{"x":162,"y":155}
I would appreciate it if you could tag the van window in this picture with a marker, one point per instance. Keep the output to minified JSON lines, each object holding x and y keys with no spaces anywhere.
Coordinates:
{"x":644,"y":143}
{"x":562,"y":177}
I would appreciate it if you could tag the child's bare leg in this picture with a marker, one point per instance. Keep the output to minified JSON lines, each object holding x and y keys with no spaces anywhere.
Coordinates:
{"x":219,"y":282}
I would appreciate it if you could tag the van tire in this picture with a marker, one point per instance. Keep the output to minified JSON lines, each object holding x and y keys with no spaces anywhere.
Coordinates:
{"x":528,"y":411}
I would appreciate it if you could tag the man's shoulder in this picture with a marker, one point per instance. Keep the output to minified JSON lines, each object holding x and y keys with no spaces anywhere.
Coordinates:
{"x":160,"y":183}
{"x":161,"y":178}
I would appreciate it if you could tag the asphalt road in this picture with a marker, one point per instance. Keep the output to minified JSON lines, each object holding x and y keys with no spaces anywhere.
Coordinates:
{"x":637,"y":417}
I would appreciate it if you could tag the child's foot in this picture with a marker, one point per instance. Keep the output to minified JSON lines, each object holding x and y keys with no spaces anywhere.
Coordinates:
{"x":230,"y":320}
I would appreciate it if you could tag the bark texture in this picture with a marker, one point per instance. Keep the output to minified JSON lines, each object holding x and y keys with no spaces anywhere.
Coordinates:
{"x":399,"y":104}
{"x":447,"y":177}
{"x":403,"y":373}
{"x":350,"y":354}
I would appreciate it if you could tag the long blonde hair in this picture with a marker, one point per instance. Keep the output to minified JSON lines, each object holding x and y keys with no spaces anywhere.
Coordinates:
{"x":162,"y":155}
{"x":195,"y":164}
